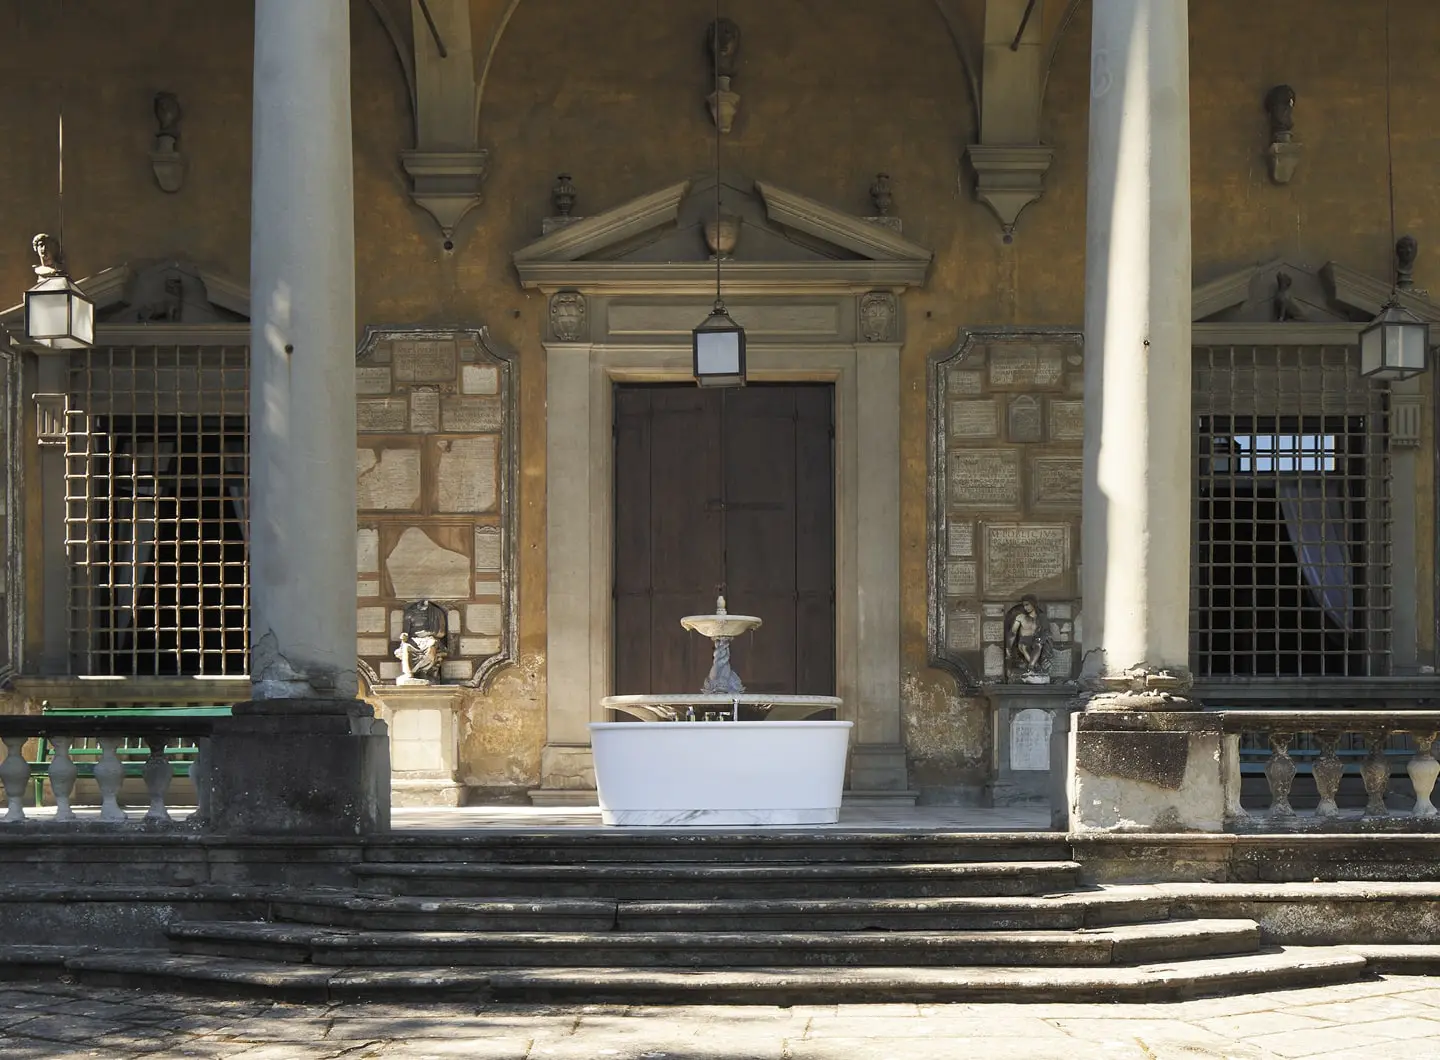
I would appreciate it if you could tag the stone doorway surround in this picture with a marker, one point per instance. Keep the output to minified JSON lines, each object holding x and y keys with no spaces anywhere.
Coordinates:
{"x":818,"y":293}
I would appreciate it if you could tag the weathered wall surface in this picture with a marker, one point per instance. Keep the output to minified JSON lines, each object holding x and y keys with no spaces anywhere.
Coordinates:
{"x":614,"y":94}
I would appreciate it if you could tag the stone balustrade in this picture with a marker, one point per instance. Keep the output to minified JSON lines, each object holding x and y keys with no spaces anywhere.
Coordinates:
{"x":115,"y":737}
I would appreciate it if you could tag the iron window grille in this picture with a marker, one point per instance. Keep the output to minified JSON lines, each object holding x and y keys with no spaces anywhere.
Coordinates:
{"x":157,"y":500}
{"x":1292,"y":565}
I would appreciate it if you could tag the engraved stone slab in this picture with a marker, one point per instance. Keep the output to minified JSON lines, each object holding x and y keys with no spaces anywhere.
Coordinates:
{"x":1025,"y":424}
{"x":974,"y":419}
{"x":488,"y":588}
{"x":425,"y":410}
{"x":1026,"y":367}
{"x":419,"y":569}
{"x":466,"y":414}
{"x":993,"y":632}
{"x":962,"y":632}
{"x":424,"y":360}
{"x":479,"y":379}
{"x":386,"y":416}
{"x":1055,"y":481}
{"x":1061,"y":663}
{"x":483,"y":618}
{"x":372,"y":646}
{"x":994,"y":661}
{"x":367,"y":587}
{"x":1017,"y":557}
{"x":1030,"y":739}
{"x":960,"y":539}
{"x":370,"y":620}
{"x":367,"y":551}
{"x":1067,"y":421}
{"x":487,"y":548}
{"x":1058,"y":611}
{"x":984,"y":478}
{"x":372,"y":379}
{"x":479,"y":645}
{"x":961,"y":578}
{"x":466,"y":475}
{"x":995,"y":610}
{"x":387,"y":481}
{"x":457,"y":670}
{"x":960,"y":382}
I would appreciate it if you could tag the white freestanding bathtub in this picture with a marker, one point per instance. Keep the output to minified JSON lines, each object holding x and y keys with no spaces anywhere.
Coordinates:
{"x":720,"y":772}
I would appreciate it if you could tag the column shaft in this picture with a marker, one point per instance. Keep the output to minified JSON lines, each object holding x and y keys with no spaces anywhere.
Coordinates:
{"x":1136,"y":526}
{"x":302,"y":389}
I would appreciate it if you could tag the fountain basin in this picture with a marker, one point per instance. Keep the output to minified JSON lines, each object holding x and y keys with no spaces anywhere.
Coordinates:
{"x":672,"y":707}
{"x":720,"y":773}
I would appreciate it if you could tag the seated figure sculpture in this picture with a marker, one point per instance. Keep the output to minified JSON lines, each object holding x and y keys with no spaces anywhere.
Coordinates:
{"x":424,"y":633}
{"x":1028,"y":644}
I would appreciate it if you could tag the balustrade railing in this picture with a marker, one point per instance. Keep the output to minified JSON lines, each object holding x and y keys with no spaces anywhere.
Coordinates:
{"x":107,"y":749}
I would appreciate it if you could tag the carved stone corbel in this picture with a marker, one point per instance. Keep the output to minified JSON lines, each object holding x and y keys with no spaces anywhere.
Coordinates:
{"x":1008,"y":179}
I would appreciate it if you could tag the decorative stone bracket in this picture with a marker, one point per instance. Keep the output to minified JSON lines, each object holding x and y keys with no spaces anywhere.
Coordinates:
{"x":1008,"y":179}
{"x":446,"y":184}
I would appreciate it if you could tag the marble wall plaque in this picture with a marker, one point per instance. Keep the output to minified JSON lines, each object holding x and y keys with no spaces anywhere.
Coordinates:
{"x":1026,"y":367}
{"x":367,"y":551}
{"x":1025,"y":424}
{"x":1067,"y":421}
{"x":424,"y":410}
{"x":420,"y":569}
{"x":372,"y":379}
{"x":994,"y":661}
{"x":960,"y":539}
{"x":1061,"y":663}
{"x":487,"y":548}
{"x":993,"y":631}
{"x":1056,"y":481}
{"x":963,"y":631}
{"x":424,"y":360}
{"x":385,"y":416}
{"x":961,"y":578}
{"x":960,"y":382}
{"x":466,"y":474}
{"x":465,"y":414}
{"x":1030,"y":739}
{"x":1017,"y":557}
{"x":479,"y":379}
{"x":974,"y":419}
{"x":386,"y":481}
{"x":984,"y":478}
{"x":483,"y":618}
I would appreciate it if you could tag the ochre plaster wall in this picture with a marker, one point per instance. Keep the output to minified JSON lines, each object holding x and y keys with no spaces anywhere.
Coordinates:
{"x":613,"y":94}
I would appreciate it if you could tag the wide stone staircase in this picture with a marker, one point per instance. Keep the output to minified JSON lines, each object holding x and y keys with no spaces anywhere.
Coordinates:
{"x":775,"y":918}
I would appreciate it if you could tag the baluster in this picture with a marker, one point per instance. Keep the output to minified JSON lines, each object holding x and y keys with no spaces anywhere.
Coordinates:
{"x":15,"y":773}
{"x":1280,"y":773}
{"x":62,"y":777}
{"x":110,"y":774}
{"x":200,"y":777}
{"x":158,"y":775}
{"x":1327,"y":770}
{"x":1423,"y":770}
{"x":1375,"y":771}
{"x":1231,"y":746}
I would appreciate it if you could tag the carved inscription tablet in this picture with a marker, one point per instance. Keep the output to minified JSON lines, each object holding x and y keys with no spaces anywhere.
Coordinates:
{"x":1056,"y":481}
{"x":1018,"y":557}
{"x":1067,"y":421}
{"x":386,"y":416}
{"x":1030,"y":739}
{"x":1025,"y":422}
{"x":963,"y":631}
{"x":1026,"y":367}
{"x":960,"y":578}
{"x":464,"y":414}
{"x":424,"y":360}
{"x":984,"y":478}
{"x":974,"y":419}
{"x":961,"y":539}
{"x":964,"y":382}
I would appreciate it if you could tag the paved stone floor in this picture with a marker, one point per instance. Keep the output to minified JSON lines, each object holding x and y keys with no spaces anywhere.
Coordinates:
{"x":1396,"y":1018}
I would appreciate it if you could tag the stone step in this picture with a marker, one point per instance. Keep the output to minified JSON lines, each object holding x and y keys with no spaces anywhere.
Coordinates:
{"x":1401,"y":959}
{"x":610,"y":845}
{"x":405,"y":913}
{"x":1169,"y":981}
{"x":1124,"y":944}
{"x":653,"y":881}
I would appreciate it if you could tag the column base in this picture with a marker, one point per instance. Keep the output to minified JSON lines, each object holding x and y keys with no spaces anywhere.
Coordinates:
{"x":567,"y":776}
{"x":300,"y":767}
{"x":1146,"y":772}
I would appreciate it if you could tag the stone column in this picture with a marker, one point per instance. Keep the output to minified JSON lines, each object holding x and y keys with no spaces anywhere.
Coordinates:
{"x":304,"y":754}
{"x":1136,"y":517}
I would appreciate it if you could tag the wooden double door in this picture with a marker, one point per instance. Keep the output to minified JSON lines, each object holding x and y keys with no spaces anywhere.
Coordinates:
{"x":732,"y":489}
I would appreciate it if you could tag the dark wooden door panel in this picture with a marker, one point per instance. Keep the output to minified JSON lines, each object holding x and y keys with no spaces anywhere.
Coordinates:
{"x":731,"y":487}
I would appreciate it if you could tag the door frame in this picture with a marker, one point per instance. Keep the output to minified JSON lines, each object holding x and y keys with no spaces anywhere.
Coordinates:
{"x":580,"y":522}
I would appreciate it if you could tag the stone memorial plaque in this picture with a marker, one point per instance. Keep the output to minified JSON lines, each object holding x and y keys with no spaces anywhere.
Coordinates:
{"x":1027,"y":367}
{"x":466,"y":474}
{"x":480,"y":379}
{"x":386,"y":416}
{"x":372,"y":379}
{"x":994,"y":661}
{"x":487,"y":548}
{"x":1017,"y":557}
{"x":1061,"y":663}
{"x":1067,"y":421}
{"x":960,"y":382}
{"x":974,"y":419}
{"x":1058,"y":611}
{"x":479,"y":646}
{"x":483,"y":618}
{"x":963,"y":631}
{"x":993,"y":632}
{"x":1055,"y":481}
{"x":1030,"y":740}
{"x":425,"y":410}
{"x":960,"y":539}
{"x":425,"y":360}
{"x":466,"y":414}
{"x":388,"y":480}
{"x":961,"y":578}
{"x":367,"y":550}
{"x":421,"y":569}
{"x":984,"y":478}
{"x":365,"y":587}
{"x":1025,"y":423}
{"x":995,"y":610}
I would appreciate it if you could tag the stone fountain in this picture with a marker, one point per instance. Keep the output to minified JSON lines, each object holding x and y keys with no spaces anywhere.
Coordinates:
{"x":697,"y":763}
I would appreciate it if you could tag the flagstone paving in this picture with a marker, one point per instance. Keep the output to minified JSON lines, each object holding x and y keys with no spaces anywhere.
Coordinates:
{"x":1390,"y":1018}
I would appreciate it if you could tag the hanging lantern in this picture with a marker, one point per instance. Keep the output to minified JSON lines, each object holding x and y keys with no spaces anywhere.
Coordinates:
{"x":719,"y":348}
{"x":57,"y":313}
{"x":1395,"y":345}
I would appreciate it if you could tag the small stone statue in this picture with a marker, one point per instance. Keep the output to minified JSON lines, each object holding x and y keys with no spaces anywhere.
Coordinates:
{"x":52,"y":257}
{"x":1028,"y":644}
{"x":563,"y":195}
{"x":1406,"y":248}
{"x":1280,"y":105}
{"x":423,"y":636}
{"x":1284,"y":301}
{"x":881,"y":195}
{"x":167,"y":116}
{"x":166,"y":159}
{"x":723,"y":42}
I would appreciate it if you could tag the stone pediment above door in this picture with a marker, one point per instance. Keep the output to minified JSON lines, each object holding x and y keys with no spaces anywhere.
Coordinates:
{"x":785,"y":242}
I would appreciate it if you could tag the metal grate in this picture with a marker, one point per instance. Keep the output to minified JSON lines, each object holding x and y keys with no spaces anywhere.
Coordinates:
{"x":1291,"y":574}
{"x":156,"y":491}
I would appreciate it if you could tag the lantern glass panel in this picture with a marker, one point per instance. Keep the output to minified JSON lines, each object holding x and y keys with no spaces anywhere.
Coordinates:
{"x":717,"y":353}
{"x":47,"y":314}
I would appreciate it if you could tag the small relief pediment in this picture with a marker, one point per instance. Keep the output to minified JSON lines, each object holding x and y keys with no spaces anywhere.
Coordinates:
{"x":1283,"y":291}
{"x":165,"y":292}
